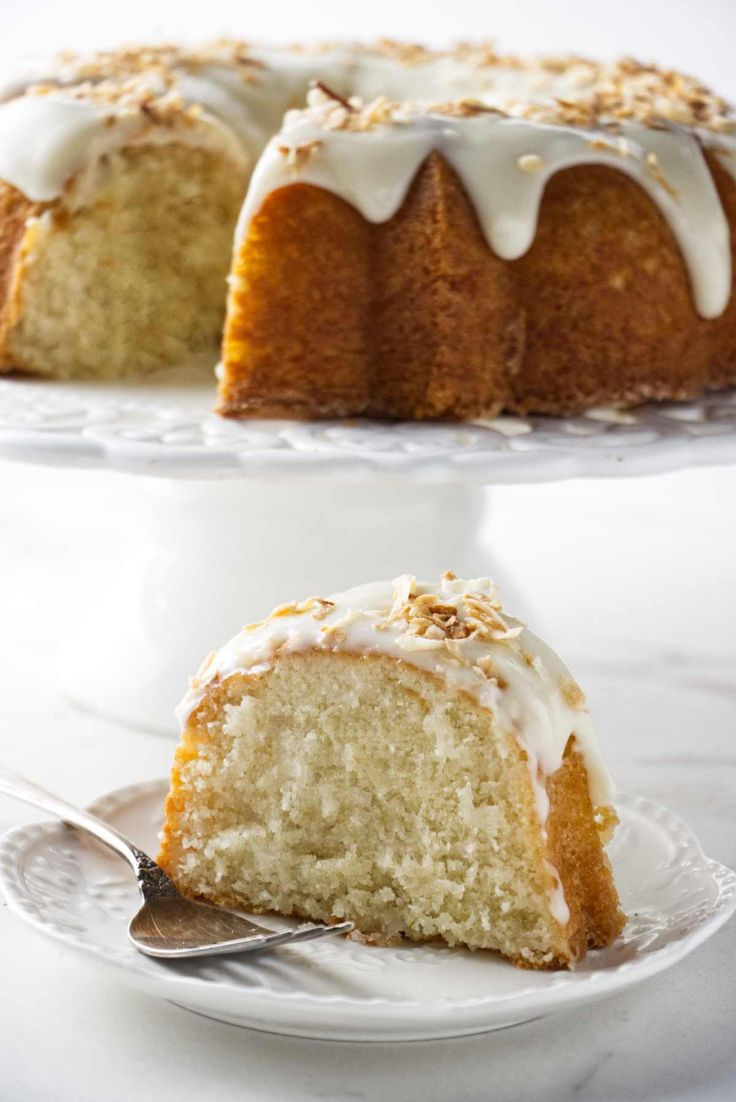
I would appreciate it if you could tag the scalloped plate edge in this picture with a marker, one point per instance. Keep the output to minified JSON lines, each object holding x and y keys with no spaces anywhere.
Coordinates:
{"x":375,"y":1019}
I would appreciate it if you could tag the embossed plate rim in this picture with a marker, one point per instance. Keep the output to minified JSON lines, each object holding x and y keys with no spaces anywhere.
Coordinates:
{"x":165,"y":427}
{"x":413,"y":1018}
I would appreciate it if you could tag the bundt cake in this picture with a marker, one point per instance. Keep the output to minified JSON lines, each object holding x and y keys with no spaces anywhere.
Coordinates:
{"x":404,"y":756}
{"x":437,"y":235}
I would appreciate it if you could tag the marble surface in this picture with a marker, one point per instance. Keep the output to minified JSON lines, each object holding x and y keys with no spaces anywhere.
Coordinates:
{"x":634,"y":584}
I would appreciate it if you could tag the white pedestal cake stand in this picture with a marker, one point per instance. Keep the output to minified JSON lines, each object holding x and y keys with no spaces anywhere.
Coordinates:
{"x":245,"y":515}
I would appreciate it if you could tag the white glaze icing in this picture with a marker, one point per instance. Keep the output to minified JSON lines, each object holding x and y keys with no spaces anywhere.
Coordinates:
{"x":254,"y":110}
{"x":44,"y":141}
{"x":69,"y":136}
{"x":724,"y":147}
{"x":67,"y":130}
{"x":373,"y":170}
{"x":532,"y":703}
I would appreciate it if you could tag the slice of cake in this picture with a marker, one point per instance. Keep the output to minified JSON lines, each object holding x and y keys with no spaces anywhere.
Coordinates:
{"x":404,"y":756}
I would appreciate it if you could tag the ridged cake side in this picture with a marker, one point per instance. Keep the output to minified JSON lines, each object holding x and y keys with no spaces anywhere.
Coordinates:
{"x":599,"y":311}
{"x":331,"y":315}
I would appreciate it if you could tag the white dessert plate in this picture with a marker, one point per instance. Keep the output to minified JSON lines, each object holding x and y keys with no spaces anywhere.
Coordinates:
{"x":164,"y":425}
{"x":75,"y":892}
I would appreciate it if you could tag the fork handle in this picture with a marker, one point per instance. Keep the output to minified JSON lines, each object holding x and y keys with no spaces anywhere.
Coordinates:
{"x":21,"y":789}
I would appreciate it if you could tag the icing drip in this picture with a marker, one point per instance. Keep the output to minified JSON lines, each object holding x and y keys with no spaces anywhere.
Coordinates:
{"x":40,"y":167}
{"x":71,"y":135}
{"x":504,"y":165}
{"x":556,"y":114}
{"x":506,"y":668}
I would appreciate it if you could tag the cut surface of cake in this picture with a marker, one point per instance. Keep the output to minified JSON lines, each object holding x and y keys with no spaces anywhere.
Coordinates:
{"x":115,"y":226}
{"x":404,"y":756}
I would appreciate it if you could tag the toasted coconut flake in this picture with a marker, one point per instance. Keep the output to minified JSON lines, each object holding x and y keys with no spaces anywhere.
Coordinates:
{"x":488,"y":670}
{"x":331,"y":94}
{"x":408,"y":53}
{"x":297,"y":157}
{"x":323,"y":608}
{"x":573,"y":694}
{"x":293,"y":608}
{"x":464,"y":109}
{"x":597,"y":95}
{"x":405,"y":588}
{"x":334,"y":634}
{"x":446,"y":617}
{"x":530,"y":162}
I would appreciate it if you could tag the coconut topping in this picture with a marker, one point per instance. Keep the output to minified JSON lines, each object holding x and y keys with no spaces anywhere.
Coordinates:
{"x":506,"y":125}
{"x":566,"y":90}
{"x":595,"y":95}
{"x":454,"y":629}
{"x":438,"y":618}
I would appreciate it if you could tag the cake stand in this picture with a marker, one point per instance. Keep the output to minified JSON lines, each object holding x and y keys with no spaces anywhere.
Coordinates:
{"x":235,"y":517}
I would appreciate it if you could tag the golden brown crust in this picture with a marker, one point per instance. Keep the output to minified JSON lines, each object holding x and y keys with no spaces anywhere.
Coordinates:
{"x":15,"y":210}
{"x":433,"y":275}
{"x":723,"y":360}
{"x":575,"y":850}
{"x":610,"y":316}
{"x":330,"y":315}
{"x":598,"y":312}
{"x":297,"y":317}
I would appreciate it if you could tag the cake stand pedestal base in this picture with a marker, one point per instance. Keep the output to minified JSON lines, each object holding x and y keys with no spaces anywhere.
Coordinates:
{"x":213,"y":556}
{"x":230,"y":518}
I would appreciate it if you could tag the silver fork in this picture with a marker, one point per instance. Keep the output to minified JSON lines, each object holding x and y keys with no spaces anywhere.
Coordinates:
{"x":167,"y":925}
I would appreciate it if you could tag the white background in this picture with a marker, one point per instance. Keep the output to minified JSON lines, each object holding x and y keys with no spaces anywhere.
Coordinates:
{"x":691,"y":34}
{"x":634,"y":582}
